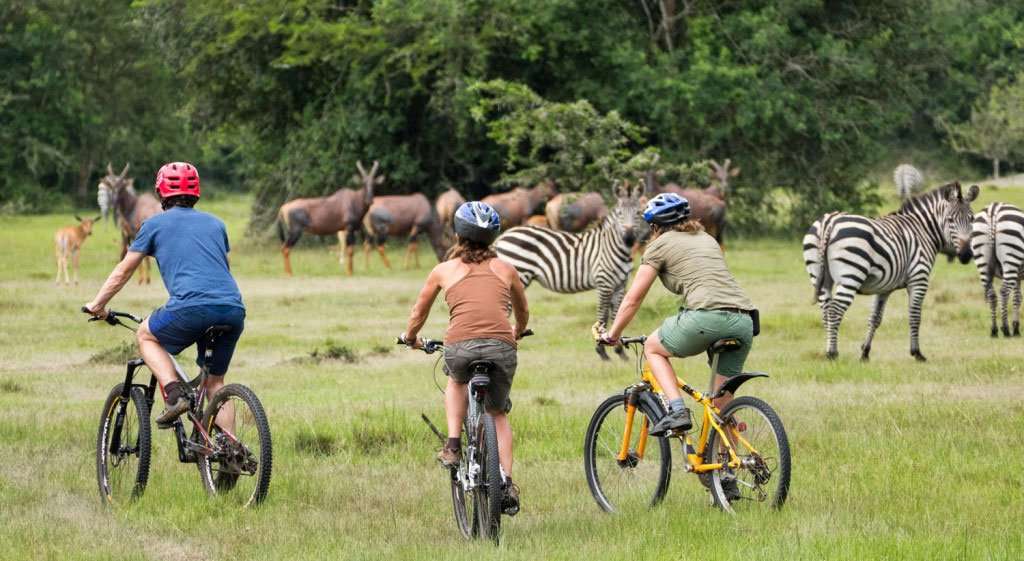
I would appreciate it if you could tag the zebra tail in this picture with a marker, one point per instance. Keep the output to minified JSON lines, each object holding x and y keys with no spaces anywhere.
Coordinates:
{"x":993,"y":261}
{"x":824,"y":275}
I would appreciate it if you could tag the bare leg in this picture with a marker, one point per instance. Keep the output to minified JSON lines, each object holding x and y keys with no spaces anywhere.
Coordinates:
{"x":157,"y":359}
{"x":657,"y":356}
{"x":456,"y":398}
{"x":226,"y":415}
{"x":504,"y":430}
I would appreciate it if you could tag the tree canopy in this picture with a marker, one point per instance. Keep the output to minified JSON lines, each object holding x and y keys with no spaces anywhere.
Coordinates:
{"x":284,"y":96}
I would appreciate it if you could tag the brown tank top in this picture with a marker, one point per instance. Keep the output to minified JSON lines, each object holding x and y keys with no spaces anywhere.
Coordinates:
{"x":478,"y":306}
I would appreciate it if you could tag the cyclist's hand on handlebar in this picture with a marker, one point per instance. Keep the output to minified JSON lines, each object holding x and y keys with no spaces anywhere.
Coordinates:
{"x":524,"y":333}
{"x":97,"y":312}
{"x":601,"y":336}
{"x":416,"y":343}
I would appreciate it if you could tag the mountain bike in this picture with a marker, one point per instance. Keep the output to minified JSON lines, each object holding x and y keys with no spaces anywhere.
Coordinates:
{"x":477,"y":485}
{"x":229,"y":440}
{"x":741,"y":455}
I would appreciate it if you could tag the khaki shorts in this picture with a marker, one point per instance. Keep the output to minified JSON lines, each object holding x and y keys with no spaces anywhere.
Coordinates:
{"x":458,"y":356}
{"x":691,"y":332}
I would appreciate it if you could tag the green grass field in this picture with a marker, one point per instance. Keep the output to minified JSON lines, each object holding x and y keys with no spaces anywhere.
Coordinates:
{"x":891,"y":459}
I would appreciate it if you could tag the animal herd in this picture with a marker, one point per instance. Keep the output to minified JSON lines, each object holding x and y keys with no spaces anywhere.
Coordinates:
{"x":573,"y":242}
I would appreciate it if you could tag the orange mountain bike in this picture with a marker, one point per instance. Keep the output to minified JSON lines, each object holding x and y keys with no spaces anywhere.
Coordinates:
{"x":741,"y":454}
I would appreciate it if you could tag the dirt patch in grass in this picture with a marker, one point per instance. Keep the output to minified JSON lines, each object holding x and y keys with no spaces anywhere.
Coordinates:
{"x":9,"y":386}
{"x":329,"y":351}
{"x":122,"y":352}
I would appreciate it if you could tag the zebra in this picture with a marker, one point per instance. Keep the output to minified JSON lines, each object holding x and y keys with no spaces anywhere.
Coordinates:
{"x":997,"y":241}
{"x":568,"y":263}
{"x":908,"y":181}
{"x":846,"y":254}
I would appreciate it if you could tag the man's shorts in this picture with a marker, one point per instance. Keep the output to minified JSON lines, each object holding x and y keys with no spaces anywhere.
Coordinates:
{"x":179,"y":329}
{"x":691,"y":332}
{"x":458,"y":356}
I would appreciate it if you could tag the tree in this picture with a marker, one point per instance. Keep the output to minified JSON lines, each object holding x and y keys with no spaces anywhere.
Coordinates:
{"x":995,"y":130}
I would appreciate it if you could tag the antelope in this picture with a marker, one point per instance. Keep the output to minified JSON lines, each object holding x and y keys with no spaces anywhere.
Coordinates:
{"x":69,"y":241}
{"x":720,"y":175}
{"x":705,"y":205}
{"x":516,"y":206}
{"x":446,"y":205}
{"x":130,"y":210}
{"x":538,"y":220}
{"x":340,"y":213}
{"x":573,"y":212}
{"x":402,"y":215}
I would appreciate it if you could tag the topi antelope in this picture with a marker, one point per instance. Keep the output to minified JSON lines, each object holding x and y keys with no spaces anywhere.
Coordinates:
{"x":403,"y":215}
{"x":68,"y":242}
{"x":446,"y":205}
{"x":705,"y":205}
{"x":340,"y":213}
{"x":573,"y":212}
{"x":516,"y":206}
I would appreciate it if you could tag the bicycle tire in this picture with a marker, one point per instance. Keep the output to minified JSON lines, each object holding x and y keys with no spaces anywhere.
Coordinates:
{"x":143,"y":438}
{"x":594,"y":453}
{"x":753,"y":484}
{"x":460,"y":509}
{"x":225,"y":482}
{"x":491,"y":499}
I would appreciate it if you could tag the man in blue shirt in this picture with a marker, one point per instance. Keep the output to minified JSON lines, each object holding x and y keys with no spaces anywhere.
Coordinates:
{"x":191,"y":249}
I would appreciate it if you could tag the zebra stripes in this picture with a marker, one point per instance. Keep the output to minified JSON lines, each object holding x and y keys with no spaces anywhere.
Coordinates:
{"x":997,"y":241}
{"x":846,"y":254}
{"x":908,"y":180}
{"x":599,"y":258}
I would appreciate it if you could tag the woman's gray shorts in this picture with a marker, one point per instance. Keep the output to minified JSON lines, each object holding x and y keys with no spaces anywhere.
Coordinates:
{"x":458,"y":356}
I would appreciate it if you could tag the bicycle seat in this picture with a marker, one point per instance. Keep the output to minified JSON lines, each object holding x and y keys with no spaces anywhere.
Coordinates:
{"x":723,"y":345}
{"x":481,"y":367}
{"x":216,"y":331}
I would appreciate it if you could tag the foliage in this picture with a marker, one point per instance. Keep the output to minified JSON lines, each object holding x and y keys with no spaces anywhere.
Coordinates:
{"x":569,"y":142}
{"x":82,"y":85}
{"x":996,"y":127}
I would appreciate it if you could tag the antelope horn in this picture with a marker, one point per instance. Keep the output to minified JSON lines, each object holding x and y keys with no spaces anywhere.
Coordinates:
{"x":78,"y":218}
{"x":110,"y":170}
{"x":727,"y":162}
{"x":373,"y":170}
{"x":359,"y":165}
{"x":125,"y":170}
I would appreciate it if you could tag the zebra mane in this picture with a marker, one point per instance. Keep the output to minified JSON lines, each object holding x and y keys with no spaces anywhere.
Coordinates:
{"x":940,"y":193}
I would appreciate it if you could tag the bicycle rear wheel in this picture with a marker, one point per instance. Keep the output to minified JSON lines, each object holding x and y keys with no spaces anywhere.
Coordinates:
{"x":760,"y":442}
{"x":240,"y":468}
{"x":490,"y":494}
{"x":123,"y":446}
{"x":642,"y":478}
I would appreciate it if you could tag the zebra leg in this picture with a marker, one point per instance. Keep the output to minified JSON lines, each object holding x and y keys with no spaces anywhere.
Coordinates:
{"x":915,"y":296}
{"x":604,"y":297}
{"x":1016,"y":310}
{"x":990,"y":297}
{"x":873,"y":322}
{"x":1005,"y":291}
{"x":836,"y":308}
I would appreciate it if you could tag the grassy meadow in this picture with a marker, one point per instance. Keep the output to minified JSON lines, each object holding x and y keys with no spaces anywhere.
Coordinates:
{"x":891,"y":459}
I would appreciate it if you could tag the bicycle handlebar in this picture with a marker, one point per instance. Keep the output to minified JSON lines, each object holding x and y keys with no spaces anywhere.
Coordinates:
{"x":431,"y":346}
{"x":112,"y":317}
{"x":633,"y":340}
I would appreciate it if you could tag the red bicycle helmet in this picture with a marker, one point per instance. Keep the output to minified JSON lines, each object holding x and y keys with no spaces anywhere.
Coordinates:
{"x":177,"y":178}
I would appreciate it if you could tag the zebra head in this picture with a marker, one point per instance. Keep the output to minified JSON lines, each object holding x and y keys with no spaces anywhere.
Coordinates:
{"x":624,"y":215}
{"x":958,"y":218}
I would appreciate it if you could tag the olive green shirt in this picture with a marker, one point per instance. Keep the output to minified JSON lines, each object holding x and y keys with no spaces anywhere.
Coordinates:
{"x":692,"y":266}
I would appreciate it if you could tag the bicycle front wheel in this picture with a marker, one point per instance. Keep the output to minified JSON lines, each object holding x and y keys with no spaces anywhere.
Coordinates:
{"x":123,"y":446}
{"x":641,"y":477}
{"x":239,"y":469}
{"x":491,"y":494}
{"x":759,"y":440}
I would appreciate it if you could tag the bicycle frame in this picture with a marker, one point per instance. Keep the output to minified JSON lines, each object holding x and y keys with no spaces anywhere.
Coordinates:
{"x":711,"y":421}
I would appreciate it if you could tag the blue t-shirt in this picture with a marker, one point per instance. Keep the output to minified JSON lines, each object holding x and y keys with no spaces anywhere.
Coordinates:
{"x":191,"y":249}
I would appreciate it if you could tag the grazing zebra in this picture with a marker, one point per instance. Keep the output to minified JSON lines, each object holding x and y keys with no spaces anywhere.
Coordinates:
{"x":908,"y":181}
{"x":847,"y":254}
{"x":568,"y":263}
{"x":997,"y":242}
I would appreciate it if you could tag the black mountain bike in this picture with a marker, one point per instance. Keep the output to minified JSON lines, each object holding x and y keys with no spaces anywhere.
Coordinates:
{"x":229,"y":441}
{"x":477,"y":486}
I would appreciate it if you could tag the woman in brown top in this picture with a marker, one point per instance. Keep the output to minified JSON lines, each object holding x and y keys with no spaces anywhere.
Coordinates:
{"x":479,"y":290}
{"x":689,"y":263}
